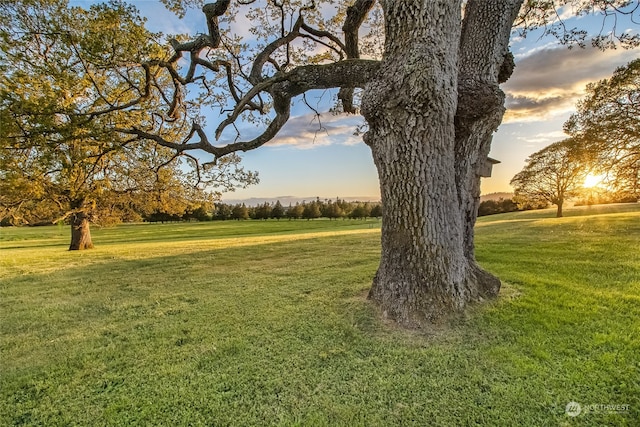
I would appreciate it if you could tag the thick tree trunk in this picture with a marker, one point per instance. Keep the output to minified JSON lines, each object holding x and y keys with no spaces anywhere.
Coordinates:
{"x":559,"y":210}
{"x":80,"y":232}
{"x":410,"y":108}
{"x":428,"y":159}
{"x":484,"y":62}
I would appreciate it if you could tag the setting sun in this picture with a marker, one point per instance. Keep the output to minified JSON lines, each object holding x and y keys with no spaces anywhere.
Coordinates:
{"x":591,"y":180}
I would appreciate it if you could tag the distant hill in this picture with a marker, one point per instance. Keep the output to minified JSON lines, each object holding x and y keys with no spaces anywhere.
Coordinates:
{"x":286,"y":200}
{"x":495,"y":196}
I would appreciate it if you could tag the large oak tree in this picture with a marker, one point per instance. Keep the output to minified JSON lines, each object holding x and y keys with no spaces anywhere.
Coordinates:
{"x":431,"y":102}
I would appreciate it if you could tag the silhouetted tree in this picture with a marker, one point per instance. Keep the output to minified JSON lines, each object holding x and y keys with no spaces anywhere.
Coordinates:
{"x":553,"y":174}
{"x":607,"y":125}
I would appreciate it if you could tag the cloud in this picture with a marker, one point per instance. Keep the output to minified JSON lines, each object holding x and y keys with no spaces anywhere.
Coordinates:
{"x":308,"y":131}
{"x":541,"y":138}
{"x":548,"y":81}
{"x":536,"y":107}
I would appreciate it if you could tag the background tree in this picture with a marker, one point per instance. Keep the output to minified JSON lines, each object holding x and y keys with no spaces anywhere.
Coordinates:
{"x":553,"y":174}
{"x":67,"y":81}
{"x":311,"y":210}
{"x":295,"y":212}
{"x":607,"y":124}
{"x":262,"y":211}
{"x":502,"y":205}
{"x":240,"y":212}
{"x":332,"y":210}
{"x":360,"y":211}
{"x":277,"y":211}
{"x":376,"y":211}
{"x":431,"y":102}
{"x":345,"y":207}
{"x":223,"y":211}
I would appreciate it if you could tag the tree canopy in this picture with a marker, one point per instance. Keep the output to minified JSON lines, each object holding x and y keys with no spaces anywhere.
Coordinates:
{"x":68,"y":78}
{"x":607,"y":124}
{"x":554,"y":174}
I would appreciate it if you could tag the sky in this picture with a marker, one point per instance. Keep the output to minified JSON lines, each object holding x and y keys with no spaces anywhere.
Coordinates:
{"x":323,"y":158}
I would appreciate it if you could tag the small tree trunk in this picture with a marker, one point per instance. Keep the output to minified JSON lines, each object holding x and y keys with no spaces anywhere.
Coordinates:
{"x":559,"y":210}
{"x":80,"y":232}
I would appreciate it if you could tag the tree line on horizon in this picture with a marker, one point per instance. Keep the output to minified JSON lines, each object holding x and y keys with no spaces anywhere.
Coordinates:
{"x":219,"y":211}
{"x":331,"y":209}
{"x":196,"y":206}
{"x":339,"y":209}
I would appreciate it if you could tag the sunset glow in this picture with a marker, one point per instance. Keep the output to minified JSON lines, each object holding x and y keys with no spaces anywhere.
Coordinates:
{"x":591,"y":180}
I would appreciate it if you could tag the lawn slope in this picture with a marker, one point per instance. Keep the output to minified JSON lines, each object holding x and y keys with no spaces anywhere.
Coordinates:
{"x":267,"y":323}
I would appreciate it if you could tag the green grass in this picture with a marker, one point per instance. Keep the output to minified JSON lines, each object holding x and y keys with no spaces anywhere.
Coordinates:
{"x":267,"y":323}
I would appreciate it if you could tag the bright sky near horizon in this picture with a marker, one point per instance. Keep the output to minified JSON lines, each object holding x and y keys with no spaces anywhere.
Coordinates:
{"x":308,"y":160}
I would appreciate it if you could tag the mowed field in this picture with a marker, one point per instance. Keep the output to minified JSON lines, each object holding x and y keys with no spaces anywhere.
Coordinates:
{"x":267,"y":323}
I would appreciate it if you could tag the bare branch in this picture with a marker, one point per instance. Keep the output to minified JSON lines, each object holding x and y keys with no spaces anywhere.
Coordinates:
{"x":544,"y":15}
{"x":351,"y":73}
{"x":255,"y":76}
{"x":212,"y":11}
{"x":355,"y":17}
{"x":327,"y":35}
{"x":282,"y":88}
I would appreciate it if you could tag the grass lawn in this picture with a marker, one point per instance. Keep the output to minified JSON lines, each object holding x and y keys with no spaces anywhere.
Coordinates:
{"x":267,"y":323}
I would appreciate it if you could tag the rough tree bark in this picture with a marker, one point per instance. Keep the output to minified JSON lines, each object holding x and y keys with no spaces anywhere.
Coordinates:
{"x":431,"y":110}
{"x":410,"y":107}
{"x":485,"y":61}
